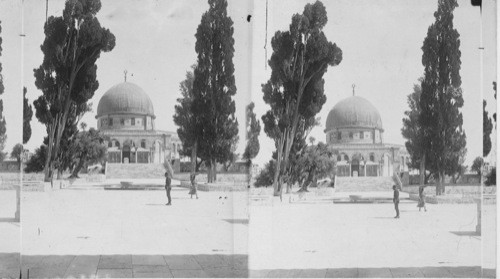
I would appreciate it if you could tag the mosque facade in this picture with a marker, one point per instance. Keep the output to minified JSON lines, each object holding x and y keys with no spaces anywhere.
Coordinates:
{"x":125,"y":115}
{"x":354,"y":131}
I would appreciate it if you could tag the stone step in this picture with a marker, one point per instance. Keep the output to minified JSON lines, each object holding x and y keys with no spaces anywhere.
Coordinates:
{"x":363,"y":184}
{"x":114,"y":171}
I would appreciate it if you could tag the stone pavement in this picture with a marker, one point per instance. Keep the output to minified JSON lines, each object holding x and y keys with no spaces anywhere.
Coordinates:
{"x":364,"y":240}
{"x":119,"y":234}
{"x":10,"y":236}
{"x":135,"y":266}
{"x":98,"y":233}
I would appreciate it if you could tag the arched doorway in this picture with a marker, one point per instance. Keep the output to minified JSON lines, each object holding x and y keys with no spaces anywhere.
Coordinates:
{"x":157,"y":152}
{"x":355,"y":167}
{"x":126,"y":154}
{"x":386,"y":166}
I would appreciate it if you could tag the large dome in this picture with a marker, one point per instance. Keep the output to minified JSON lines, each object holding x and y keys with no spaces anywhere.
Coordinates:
{"x":125,"y":98}
{"x":353,"y":112}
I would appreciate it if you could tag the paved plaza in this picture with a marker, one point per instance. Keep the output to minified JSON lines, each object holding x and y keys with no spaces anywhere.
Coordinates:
{"x":118,"y":234}
{"x":364,"y":240}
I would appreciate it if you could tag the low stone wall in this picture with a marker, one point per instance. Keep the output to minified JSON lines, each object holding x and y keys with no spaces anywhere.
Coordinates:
{"x":236,"y":178}
{"x":209,"y":187}
{"x":9,"y":181}
{"x":36,"y":186}
{"x":9,"y":166}
{"x":453,"y":189}
{"x":456,"y":198}
{"x":467,"y":179}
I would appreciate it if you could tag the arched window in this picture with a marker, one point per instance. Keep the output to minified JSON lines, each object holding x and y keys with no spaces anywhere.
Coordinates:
{"x":346,"y":158}
{"x":111,"y":122}
{"x":110,"y":144}
{"x":372,"y":158}
{"x":132,"y":121}
{"x":361,"y":135}
{"x":339,"y":158}
{"x":122,"y":121}
{"x":117,"y":144}
{"x":351,"y":135}
{"x":143,"y":143}
{"x":339,"y":135}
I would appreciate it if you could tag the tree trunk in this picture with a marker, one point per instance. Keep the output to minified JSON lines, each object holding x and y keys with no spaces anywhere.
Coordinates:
{"x":193,"y":158}
{"x":443,"y":183}
{"x":77,"y":169}
{"x":276,"y":182}
{"x":214,"y":171}
{"x":48,"y":160}
{"x":422,"y":171}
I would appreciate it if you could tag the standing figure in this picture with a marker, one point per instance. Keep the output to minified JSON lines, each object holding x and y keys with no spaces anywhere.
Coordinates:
{"x":421,"y":199}
{"x":192,"y":190}
{"x":168,"y":187}
{"x":396,"y":200}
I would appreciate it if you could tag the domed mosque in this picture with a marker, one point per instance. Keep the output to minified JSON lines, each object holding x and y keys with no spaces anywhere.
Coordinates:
{"x":125,"y":115}
{"x":354,"y":129}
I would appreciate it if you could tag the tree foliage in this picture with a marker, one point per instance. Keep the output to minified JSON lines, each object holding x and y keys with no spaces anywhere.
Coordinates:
{"x":266,"y":176}
{"x":412,"y":131}
{"x":441,"y":97}
{"x":301,"y":56}
{"x":253,"y":130}
{"x":17,"y":152}
{"x":487,"y":128}
{"x":67,"y":76}
{"x":27,"y":115}
{"x":214,"y":88}
{"x":3,"y":125}
{"x":37,"y":162}
{"x":87,"y":148}
{"x":491,"y":178}
{"x":315,"y":162}
{"x":477,"y":165}
{"x":184,"y":117}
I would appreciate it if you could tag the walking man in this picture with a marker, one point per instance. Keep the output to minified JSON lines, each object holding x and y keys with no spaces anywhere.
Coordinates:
{"x":396,"y":200}
{"x":168,"y":187}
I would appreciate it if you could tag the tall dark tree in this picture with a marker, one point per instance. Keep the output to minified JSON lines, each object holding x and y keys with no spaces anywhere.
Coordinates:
{"x":27,"y":115}
{"x":253,"y":130}
{"x":487,"y":128}
{"x":413,"y":132}
{"x":214,"y":87}
{"x":67,"y":75}
{"x":441,"y":98}
{"x":301,"y":56}
{"x":188,"y":121}
{"x":3,"y":125}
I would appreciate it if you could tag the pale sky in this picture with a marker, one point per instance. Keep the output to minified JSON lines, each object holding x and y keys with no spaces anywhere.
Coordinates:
{"x":381,"y":43}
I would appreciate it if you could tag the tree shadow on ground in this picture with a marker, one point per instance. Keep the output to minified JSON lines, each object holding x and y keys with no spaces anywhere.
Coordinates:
{"x":8,"y":220}
{"x":466,"y":233}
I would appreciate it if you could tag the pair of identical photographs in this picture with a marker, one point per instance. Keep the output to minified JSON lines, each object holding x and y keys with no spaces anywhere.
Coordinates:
{"x":148,"y":58}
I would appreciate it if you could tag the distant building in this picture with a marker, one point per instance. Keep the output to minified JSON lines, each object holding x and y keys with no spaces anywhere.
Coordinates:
{"x":126,"y":116}
{"x":354,"y":129}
